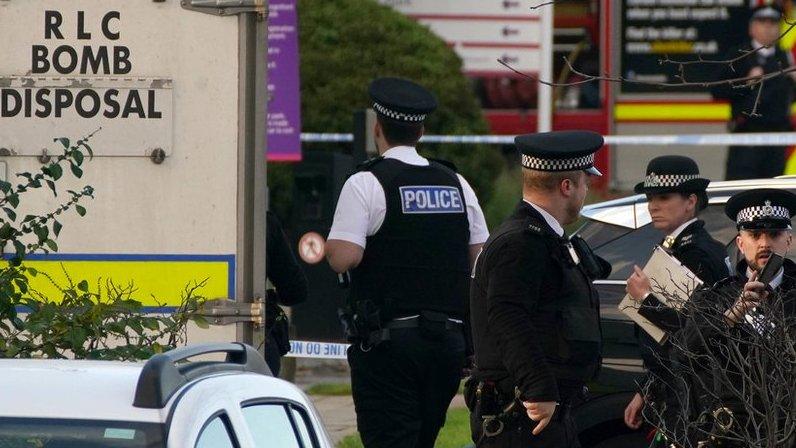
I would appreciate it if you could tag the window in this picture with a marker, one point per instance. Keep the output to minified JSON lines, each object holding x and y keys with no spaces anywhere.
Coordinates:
{"x":216,"y":434}
{"x":304,"y":427}
{"x":62,"y":433}
{"x":272,"y":427}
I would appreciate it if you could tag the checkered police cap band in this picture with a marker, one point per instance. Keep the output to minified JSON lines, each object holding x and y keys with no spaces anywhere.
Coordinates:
{"x":399,"y":116}
{"x":667,"y":180}
{"x":539,"y":164}
{"x":767,"y":211}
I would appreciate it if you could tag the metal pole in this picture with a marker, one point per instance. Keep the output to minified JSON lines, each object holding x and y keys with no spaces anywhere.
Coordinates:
{"x":252,"y":185}
{"x":545,"y":96}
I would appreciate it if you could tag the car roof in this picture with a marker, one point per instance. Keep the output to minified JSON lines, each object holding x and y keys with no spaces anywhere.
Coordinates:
{"x":631,"y":211}
{"x":95,"y":390}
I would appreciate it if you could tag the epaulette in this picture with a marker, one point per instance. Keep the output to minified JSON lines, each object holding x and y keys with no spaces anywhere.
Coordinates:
{"x":686,"y":240}
{"x":367,"y":164}
{"x":446,"y":163}
{"x":533,"y":228}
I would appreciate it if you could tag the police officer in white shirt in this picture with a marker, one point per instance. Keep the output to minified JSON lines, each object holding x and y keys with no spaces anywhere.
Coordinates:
{"x":408,"y":229}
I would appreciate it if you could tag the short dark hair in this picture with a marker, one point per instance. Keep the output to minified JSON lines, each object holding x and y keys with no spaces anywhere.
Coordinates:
{"x":399,"y":133}
{"x":702,"y":200}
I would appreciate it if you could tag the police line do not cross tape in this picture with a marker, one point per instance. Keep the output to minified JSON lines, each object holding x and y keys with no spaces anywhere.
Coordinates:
{"x":318,"y":350}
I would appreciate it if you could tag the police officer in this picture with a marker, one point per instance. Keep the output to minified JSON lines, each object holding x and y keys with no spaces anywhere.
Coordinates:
{"x":290,"y":288}
{"x":675,"y":195}
{"x":740,"y":328}
{"x":535,"y":315}
{"x":772,"y":112}
{"x":407,"y":228}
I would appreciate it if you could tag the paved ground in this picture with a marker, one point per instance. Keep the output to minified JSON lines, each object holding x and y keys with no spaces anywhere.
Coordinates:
{"x":339,"y":418}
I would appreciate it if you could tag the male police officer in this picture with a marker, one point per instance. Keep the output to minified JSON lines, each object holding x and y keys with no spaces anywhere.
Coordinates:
{"x":535,"y":315}
{"x":771,"y":100}
{"x":408,"y":228}
{"x":675,"y":195}
{"x":740,"y":331}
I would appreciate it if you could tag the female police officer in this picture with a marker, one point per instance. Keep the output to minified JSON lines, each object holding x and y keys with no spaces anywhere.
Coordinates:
{"x":675,"y":195}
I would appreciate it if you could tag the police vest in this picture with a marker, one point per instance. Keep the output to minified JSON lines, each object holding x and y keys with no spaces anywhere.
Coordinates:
{"x":418,"y":260}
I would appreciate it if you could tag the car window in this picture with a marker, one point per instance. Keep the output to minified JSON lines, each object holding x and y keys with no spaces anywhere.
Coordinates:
{"x":304,"y":427}
{"x":66,"y":433}
{"x":271,"y":426}
{"x":216,"y":434}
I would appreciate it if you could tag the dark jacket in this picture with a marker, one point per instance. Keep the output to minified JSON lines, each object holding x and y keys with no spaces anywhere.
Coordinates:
{"x":281,"y":266}
{"x":705,"y":257}
{"x":749,"y":364}
{"x":775,"y":99}
{"x":534,"y":312}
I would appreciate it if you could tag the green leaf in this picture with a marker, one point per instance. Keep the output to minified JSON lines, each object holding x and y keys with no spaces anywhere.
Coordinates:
{"x":13,"y":199}
{"x":5,"y":187}
{"x":83,"y":286}
{"x":11,"y":214}
{"x":19,"y":248}
{"x":80,"y":210}
{"x":76,"y":170}
{"x":43,"y":233}
{"x":56,"y":171}
{"x":57,"y":227}
{"x":88,"y":148}
{"x":51,"y":184}
{"x":32,"y":271}
{"x":64,"y":141}
{"x":6,"y":231}
{"x":22,"y":285}
{"x":201,"y":322}
{"x":51,"y":244}
{"x":78,"y":156}
{"x":29,"y":218}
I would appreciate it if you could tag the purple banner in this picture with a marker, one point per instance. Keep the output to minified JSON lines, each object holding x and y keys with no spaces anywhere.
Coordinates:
{"x":284,"y":109}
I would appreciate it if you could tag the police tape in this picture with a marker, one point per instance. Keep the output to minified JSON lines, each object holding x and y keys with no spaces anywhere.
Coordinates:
{"x":747,"y":139}
{"x":317,"y":350}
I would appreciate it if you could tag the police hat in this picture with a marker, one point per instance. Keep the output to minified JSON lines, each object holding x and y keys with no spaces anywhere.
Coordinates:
{"x":767,"y":12}
{"x":668,"y":174}
{"x":401,"y":100}
{"x":762,"y":208}
{"x":560,"y":151}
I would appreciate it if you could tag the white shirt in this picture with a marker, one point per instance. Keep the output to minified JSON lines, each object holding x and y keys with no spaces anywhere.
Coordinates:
{"x":552,"y":222}
{"x":362,"y":205}
{"x":680,"y":229}
{"x":765,"y":52}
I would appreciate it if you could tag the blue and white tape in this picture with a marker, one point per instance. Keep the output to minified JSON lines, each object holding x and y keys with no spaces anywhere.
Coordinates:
{"x":750,"y":139}
{"x":318,"y":350}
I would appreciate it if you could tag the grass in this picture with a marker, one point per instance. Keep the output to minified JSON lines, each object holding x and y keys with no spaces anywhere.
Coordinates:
{"x":455,"y":433}
{"x":336,"y":389}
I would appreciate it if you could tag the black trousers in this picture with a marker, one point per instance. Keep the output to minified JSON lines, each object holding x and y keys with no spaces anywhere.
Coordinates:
{"x":272,"y":356}
{"x":402,"y":388}
{"x":755,"y":162}
{"x":561,"y":432}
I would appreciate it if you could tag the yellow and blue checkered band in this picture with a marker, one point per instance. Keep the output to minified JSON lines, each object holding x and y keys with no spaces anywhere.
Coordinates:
{"x":573,"y":164}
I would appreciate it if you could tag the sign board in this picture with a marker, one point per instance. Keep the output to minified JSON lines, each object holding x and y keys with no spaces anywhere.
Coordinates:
{"x":654,"y":29}
{"x":284,"y":107}
{"x":483,"y":31}
{"x":74,"y":68}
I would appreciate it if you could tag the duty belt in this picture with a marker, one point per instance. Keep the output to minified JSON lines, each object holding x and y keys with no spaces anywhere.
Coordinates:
{"x":383,"y":334}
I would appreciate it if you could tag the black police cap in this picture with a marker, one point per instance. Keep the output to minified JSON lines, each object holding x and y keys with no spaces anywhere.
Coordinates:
{"x":560,"y":151}
{"x":401,"y":100}
{"x":762,"y":208}
{"x":667,"y":174}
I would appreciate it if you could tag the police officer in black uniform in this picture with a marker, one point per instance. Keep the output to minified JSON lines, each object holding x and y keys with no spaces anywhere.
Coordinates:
{"x":740,"y":330}
{"x":675,"y":195}
{"x":290,"y":288}
{"x":534,"y":312}
{"x":772,"y":112}
{"x":408,"y":228}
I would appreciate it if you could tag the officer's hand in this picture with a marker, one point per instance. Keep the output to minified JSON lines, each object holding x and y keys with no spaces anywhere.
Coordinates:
{"x":638,"y":285}
{"x":540,"y":412}
{"x":633,"y":412}
{"x":755,"y":72}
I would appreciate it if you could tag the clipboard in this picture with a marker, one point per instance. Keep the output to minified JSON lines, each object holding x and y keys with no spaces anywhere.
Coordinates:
{"x":670,"y":281}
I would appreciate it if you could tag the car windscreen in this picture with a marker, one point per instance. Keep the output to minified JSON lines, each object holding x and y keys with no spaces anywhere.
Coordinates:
{"x":60,"y":433}
{"x":623,"y":247}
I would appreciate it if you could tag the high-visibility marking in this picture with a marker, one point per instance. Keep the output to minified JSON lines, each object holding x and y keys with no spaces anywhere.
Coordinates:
{"x":318,"y":350}
{"x":159,"y":280}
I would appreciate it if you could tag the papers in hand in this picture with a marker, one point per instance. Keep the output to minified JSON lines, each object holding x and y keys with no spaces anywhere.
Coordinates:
{"x":671,"y":283}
